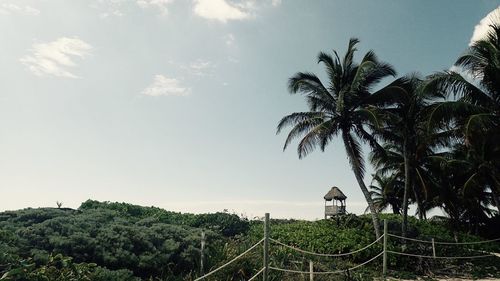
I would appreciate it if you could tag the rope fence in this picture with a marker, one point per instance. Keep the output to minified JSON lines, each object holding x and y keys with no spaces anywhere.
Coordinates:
{"x":325,"y":255}
{"x":327,"y":272}
{"x":257,"y":274}
{"x":264,"y":271}
{"x":231,"y":261}
{"x":444,"y":243}
{"x":438,"y":257}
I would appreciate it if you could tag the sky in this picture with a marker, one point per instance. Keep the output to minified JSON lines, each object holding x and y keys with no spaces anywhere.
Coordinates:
{"x":174,"y":103}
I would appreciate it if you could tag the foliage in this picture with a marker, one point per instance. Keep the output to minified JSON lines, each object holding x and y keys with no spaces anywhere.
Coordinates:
{"x":344,"y":106}
{"x":149,"y":242}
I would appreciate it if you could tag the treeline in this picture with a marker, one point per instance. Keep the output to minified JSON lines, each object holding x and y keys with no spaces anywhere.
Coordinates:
{"x":434,"y":141}
{"x":124,"y":240}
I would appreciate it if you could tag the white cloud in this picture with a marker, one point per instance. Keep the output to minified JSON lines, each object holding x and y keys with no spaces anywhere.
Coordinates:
{"x":164,"y":86}
{"x":276,"y":3}
{"x":221,"y":10}
{"x":201,"y":67}
{"x":116,"y":13}
{"x":158,"y":4}
{"x":54,"y":58}
{"x":109,"y":8}
{"x":9,"y":8}
{"x":230,"y":39}
{"x":482,"y":28}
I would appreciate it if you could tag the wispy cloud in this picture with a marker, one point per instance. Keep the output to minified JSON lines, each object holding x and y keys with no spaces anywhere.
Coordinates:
{"x":221,"y":10}
{"x":230,"y":39}
{"x":54,"y":58}
{"x":276,"y":3}
{"x":10,"y":8}
{"x":165,"y":86}
{"x":161,"y":5}
{"x":116,"y":13}
{"x":482,"y":28}
{"x":109,"y":8}
{"x":200,"y":67}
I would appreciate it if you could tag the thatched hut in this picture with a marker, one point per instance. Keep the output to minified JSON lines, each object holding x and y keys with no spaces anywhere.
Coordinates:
{"x":338,"y":202}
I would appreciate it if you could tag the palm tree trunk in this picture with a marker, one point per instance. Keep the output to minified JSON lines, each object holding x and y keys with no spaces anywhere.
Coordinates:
{"x":357,"y":173}
{"x":406,"y":156}
{"x":421,"y":208}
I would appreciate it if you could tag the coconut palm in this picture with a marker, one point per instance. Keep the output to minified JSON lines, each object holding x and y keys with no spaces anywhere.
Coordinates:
{"x":407,"y":143}
{"x":343,"y":107}
{"x":476,"y":108}
{"x":386,"y":192}
{"x":458,"y":177}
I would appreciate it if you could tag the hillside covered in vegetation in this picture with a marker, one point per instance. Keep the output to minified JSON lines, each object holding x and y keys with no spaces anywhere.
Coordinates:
{"x":119,"y":241}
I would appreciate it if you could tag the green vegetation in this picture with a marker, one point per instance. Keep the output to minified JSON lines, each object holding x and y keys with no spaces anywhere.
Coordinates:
{"x":342,"y":108}
{"x":146,"y":242}
{"x":428,"y":148}
{"x":119,"y":241}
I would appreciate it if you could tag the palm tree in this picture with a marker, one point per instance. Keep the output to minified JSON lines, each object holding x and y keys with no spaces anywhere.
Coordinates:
{"x":386,"y":191}
{"x":407,"y":142}
{"x":342,"y":107}
{"x":458,"y":194}
{"x":476,"y":109}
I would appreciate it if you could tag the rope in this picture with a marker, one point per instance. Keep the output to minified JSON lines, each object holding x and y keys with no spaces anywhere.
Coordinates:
{"x":433,"y":257}
{"x":444,"y":243}
{"x":257,"y":274}
{"x":325,"y":255}
{"x":411,"y":239}
{"x":229,"y":262}
{"x":326,"y":272}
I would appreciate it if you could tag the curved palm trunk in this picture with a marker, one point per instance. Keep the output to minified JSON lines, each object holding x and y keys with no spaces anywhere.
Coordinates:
{"x":357,"y":173}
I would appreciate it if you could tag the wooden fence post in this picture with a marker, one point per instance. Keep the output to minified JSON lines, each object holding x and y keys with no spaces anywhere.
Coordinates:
{"x":202,"y":252}
{"x":433,"y":248}
{"x":311,"y":271}
{"x":265,"y":274}
{"x":384,"y":266}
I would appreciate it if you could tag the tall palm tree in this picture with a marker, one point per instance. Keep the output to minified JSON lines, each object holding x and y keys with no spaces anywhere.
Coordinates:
{"x":341,"y":107}
{"x":407,"y":142}
{"x":476,"y":109}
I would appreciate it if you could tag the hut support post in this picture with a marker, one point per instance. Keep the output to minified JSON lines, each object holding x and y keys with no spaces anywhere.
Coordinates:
{"x":265,"y":275}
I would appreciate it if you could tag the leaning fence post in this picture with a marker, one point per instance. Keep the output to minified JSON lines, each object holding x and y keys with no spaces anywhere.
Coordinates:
{"x":384,"y":262}
{"x":265,"y":274}
{"x":433,"y":248}
{"x":202,"y":252}
{"x":311,"y":271}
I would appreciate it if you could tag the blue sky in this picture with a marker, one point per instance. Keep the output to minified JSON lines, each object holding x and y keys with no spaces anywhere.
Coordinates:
{"x":175,"y":103}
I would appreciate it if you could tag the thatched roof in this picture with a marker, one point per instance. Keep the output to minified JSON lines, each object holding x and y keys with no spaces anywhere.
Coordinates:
{"x":335,"y":193}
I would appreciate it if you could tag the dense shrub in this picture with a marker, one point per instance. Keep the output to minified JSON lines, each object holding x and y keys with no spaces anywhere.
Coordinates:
{"x":147,"y":241}
{"x":118,"y":241}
